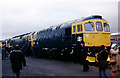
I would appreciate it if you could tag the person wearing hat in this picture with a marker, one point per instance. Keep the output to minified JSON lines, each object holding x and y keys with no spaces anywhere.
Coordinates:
{"x":114,"y":59}
{"x":102,"y":61}
{"x":83,"y":52}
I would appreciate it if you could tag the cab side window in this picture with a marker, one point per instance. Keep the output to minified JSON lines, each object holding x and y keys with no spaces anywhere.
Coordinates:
{"x":79,"y":28}
{"x":74,"y":28}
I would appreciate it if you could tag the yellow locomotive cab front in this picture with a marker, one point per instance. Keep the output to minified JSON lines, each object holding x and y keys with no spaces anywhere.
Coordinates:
{"x":96,"y":32}
{"x":100,"y":35}
{"x":97,"y":39}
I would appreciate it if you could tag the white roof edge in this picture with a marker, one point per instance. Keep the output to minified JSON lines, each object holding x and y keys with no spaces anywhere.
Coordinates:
{"x":118,"y":33}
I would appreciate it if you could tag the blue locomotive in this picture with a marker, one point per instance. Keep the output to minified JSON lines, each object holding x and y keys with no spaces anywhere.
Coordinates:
{"x":61,"y":40}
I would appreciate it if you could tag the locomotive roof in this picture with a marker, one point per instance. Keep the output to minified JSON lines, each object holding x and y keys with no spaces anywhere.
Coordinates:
{"x":118,"y":33}
{"x":69,"y":23}
{"x":22,"y":35}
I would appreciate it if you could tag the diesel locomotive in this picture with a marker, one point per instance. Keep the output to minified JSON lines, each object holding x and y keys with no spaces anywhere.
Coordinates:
{"x":61,"y":39}
{"x":21,"y":40}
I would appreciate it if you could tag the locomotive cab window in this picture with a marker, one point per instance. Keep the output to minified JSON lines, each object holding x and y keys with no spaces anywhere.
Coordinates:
{"x":106,"y":27}
{"x":74,"y":28}
{"x":79,"y":28}
{"x":89,"y":26}
{"x":99,"y":26}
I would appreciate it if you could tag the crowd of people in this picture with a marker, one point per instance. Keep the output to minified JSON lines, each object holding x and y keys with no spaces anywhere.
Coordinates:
{"x":114,"y":60}
{"x":17,"y":59}
{"x":102,"y":59}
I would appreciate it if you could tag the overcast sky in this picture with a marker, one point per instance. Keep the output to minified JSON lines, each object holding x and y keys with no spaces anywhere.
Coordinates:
{"x":22,"y":16}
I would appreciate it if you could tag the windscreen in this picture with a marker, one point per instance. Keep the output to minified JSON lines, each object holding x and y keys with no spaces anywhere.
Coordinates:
{"x":89,"y":26}
{"x":106,"y":27}
{"x":99,"y":26}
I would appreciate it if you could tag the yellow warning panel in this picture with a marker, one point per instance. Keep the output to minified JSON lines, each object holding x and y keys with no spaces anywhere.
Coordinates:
{"x":90,"y":59}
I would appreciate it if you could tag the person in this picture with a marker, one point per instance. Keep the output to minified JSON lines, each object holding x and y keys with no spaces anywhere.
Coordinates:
{"x":4,"y":54}
{"x":102,"y":58}
{"x":83,"y":55}
{"x":17,"y":59}
{"x":114,"y":56}
{"x":77,"y":53}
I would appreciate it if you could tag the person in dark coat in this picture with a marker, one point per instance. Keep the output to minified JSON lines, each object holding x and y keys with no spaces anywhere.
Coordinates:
{"x":83,"y":55}
{"x":76,"y":54}
{"x":17,"y":59}
{"x":102,"y":58}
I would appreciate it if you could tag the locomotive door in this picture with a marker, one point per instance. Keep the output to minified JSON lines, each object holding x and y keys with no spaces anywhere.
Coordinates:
{"x":73,"y":39}
{"x":68,"y":36}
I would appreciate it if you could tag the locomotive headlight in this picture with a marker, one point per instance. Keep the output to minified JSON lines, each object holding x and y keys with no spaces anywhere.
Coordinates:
{"x":86,"y":35}
{"x":34,"y":43}
{"x":79,"y":38}
{"x":37,"y":43}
